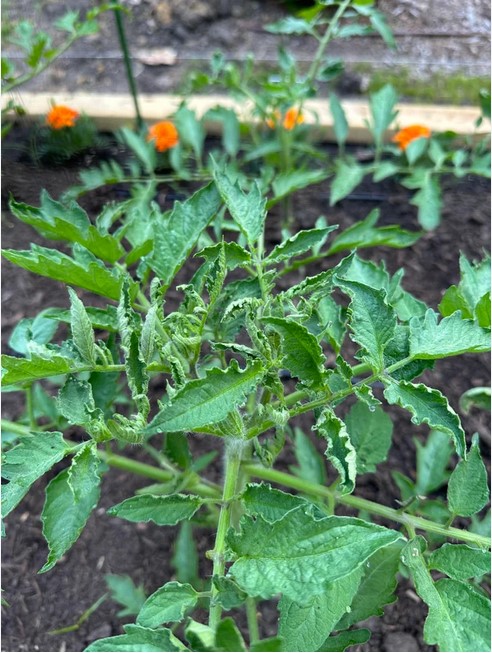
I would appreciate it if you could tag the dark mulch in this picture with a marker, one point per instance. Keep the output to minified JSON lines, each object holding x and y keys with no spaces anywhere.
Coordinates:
{"x":39,"y":604}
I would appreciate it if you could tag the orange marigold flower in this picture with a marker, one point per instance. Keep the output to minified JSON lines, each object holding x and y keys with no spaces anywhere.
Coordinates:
{"x":274,"y":119}
{"x":164,"y":134}
{"x":60,"y":116}
{"x":405,"y":136}
{"x":292,"y":118}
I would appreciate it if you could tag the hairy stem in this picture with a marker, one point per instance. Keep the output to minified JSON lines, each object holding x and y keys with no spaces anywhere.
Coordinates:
{"x":314,"y":489}
{"x":233,"y":451}
{"x":207,"y":489}
{"x":328,"y":398}
{"x":30,"y":407}
{"x":252,"y":619}
{"x":202,"y":487}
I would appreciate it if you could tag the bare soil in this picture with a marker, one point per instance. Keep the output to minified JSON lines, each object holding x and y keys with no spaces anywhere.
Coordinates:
{"x":41,"y":603}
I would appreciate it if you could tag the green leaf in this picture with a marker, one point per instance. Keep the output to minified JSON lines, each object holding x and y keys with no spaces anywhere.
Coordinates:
{"x":299,"y":555}
{"x":129,"y":326}
{"x":470,"y":612}
{"x":93,"y":276}
{"x":104,"y":319}
{"x":385,"y":169}
{"x":377,"y":586}
{"x":25,"y":463}
{"x":301,"y":352}
{"x":353,"y":268}
{"x":147,"y":342}
{"x":311,"y":464}
{"x":271,"y":504}
{"x":370,"y":431}
{"x":82,"y":334}
{"x":247,"y":210}
{"x":137,"y":638}
{"x":303,"y":241}
{"x":332,"y":321}
{"x":467,"y":488}
{"x":162,"y":510}
{"x":286,"y":183}
{"x":229,"y":595}
{"x":176,"y":448}
{"x":340,"y":450}
{"x":322,"y":281}
{"x":460,"y":562}
{"x":176,"y":236}
{"x":398,"y":350}
{"x":191,"y":131}
{"x":290,"y":25}
{"x":69,"y":223}
{"x":383,"y":113}
{"x":70,"y":498}
{"x":199,"y":636}
{"x":68,"y":21}
{"x":185,"y":556}
{"x":481,"y":526}
{"x":169,"y":603}
{"x":44,"y":404}
{"x":236,"y":256}
{"x":432,"y":462}
{"x":483,"y":312}
{"x":475,"y":397}
{"x":340,"y":124}
{"x":345,"y":639}
{"x":305,"y":627}
{"x":75,"y":401}
{"x":475,"y":279}
{"x":416,"y":149}
{"x":379,"y":22}
{"x":428,"y":406}
{"x":270,"y":644}
{"x":459,"y":617}
{"x":454,"y":300}
{"x":143,"y":149}
{"x":429,"y":202}
{"x":25,"y":370}
{"x":451,"y":336}
{"x":40,"y":330}
{"x":365,"y":234}
{"x":348,"y":175}
{"x":231,"y":134}
{"x":228,"y":637}
{"x":472,"y":291}
{"x":371,"y":320}
{"x":405,"y":485}
{"x":208,"y":400}
{"x":126,"y":593}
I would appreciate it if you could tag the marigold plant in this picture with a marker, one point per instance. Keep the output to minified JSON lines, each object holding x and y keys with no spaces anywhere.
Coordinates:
{"x":164,"y":134}
{"x":61,"y":116}
{"x":407,"y":135}
{"x":292,"y":117}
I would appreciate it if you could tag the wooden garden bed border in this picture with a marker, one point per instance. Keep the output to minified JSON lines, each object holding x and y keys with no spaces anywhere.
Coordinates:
{"x":113,"y":110}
